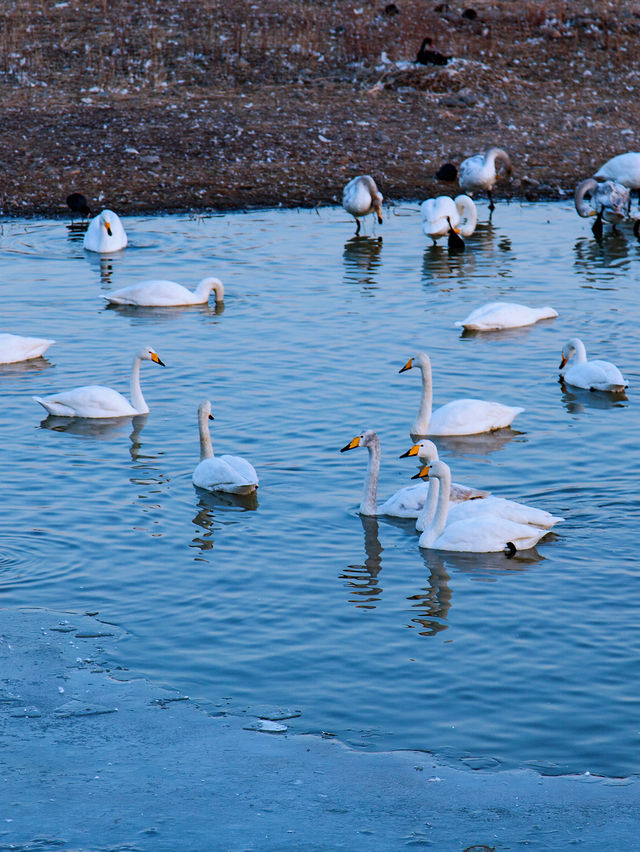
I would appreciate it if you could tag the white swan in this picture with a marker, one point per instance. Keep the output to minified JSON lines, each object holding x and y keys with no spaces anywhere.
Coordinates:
{"x":607,"y":201}
{"x":496,"y":316}
{"x":361,"y":197}
{"x":232,"y":474}
{"x":478,"y":173}
{"x":97,"y":401}
{"x":105,"y":233}
{"x":590,"y":375}
{"x":482,"y":533}
{"x":441,"y":215}
{"x":14,"y":347}
{"x":407,"y":502}
{"x":459,"y":417}
{"x":623,"y":168}
{"x":159,"y":293}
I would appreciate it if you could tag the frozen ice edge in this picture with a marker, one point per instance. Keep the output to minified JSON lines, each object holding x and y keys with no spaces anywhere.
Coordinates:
{"x":141,"y":765}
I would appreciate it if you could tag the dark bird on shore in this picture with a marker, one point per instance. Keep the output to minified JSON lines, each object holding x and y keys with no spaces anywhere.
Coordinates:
{"x":447,"y":172}
{"x":77,"y":203}
{"x":470,"y":14}
{"x":391,"y":10}
{"x":428,"y":56}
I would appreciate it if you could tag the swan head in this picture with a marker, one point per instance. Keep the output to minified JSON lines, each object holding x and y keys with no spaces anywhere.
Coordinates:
{"x":420,"y":360}
{"x":149,"y":354}
{"x":434,"y":470}
{"x":423,"y":473}
{"x":204,"y":410}
{"x":107,"y":218}
{"x":425,"y":450}
{"x":366,"y":439}
{"x":569,"y":350}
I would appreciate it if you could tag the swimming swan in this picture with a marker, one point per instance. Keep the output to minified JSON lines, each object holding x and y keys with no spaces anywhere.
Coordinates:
{"x":607,"y":201}
{"x":459,"y":417}
{"x":496,"y":316}
{"x":158,"y":293}
{"x":479,"y":173}
{"x":14,"y":348}
{"x":482,"y":533}
{"x":96,"y":401}
{"x":232,"y":474}
{"x":590,"y":375}
{"x":361,"y":197}
{"x":441,"y":215}
{"x":408,"y":501}
{"x":105,"y":233}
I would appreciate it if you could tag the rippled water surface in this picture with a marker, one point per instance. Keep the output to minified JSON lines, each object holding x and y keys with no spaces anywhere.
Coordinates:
{"x":297,"y":602}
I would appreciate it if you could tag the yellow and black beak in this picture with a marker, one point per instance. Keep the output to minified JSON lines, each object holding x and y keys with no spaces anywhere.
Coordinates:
{"x":156,"y":360}
{"x":108,"y":227}
{"x":355,"y":442}
{"x":211,"y":417}
{"x":412,"y":451}
{"x":379,"y":212}
{"x":407,"y":366}
{"x":423,"y":474}
{"x":563,"y":361}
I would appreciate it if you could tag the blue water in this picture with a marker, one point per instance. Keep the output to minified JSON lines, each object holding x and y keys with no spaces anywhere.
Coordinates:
{"x":297,"y":603}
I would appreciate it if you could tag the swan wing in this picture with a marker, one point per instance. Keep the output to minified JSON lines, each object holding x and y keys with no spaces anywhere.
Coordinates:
{"x":407,"y":502}
{"x":502,"y":508}
{"x":597,"y":375}
{"x":460,"y":493}
{"x":470,"y":417}
{"x":154,"y":293}
{"x":14,"y":347}
{"x":92,"y":401}
{"x":226,"y":473}
{"x":487,"y":534}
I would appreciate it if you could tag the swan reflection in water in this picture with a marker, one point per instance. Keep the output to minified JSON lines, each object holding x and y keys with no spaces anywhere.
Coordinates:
{"x":103,"y":428}
{"x":593,"y":254}
{"x":104,"y":264}
{"x":32,"y":365}
{"x":362,"y":579}
{"x":475,"y":445}
{"x":76,"y":231}
{"x":362,"y":259}
{"x":577,"y":400}
{"x":154,"y":314}
{"x":210,"y":502}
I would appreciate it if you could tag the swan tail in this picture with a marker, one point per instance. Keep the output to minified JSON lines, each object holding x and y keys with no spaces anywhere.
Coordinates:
{"x":55,"y":407}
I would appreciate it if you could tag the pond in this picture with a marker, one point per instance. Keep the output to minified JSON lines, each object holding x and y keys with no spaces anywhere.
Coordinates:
{"x":293,"y":605}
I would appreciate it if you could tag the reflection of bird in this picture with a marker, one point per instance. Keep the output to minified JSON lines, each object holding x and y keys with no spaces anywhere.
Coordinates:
{"x":607,"y":201}
{"x":158,"y":293}
{"x":459,"y":417}
{"x":105,"y":233}
{"x":590,"y":375}
{"x":624,"y":169}
{"x":443,"y":216}
{"x":97,"y":401}
{"x":14,"y":347}
{"x":495,"y":316}
{"x":361,"y":197}
{"x":483,"y":533}
{"x":232,"y":474}
{"x":478,"y":173}
{"x":428,"y":56}
{"x":77,"y":203}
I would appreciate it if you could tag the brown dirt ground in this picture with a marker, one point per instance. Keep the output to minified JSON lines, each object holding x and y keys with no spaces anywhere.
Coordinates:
{"x":149,"y":106}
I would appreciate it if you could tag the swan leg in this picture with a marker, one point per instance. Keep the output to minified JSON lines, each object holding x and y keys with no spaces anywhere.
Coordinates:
{"x":492,"y":206}
{"x":596,"y":228}
{"x":357,"y":225}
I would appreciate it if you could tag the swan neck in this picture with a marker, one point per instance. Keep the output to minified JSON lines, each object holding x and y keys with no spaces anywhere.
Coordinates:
{"x":368,"y":504}
{"x":428,"y":511}
{"x":580,"y":354}
{"x":206,"y":447}
{"x":582,"y":189}
{"x":436,"y":528}
{"x":137,"y":400}
{"x":421,"y":425}
{"x":205,"y":287}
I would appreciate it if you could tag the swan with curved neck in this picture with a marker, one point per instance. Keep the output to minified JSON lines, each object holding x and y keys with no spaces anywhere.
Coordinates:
{"x":479,"y":173}
{"x":576,"y":370}
{"x":496,"y":316}
{"x":160,"y":293}
{"x":105,"y":233}
{"x":459,"y":417}
{"x":482,"y":533}
{"x":607,"y":201}
{"x":442,"y":215}
{"x":96,"y":401}
{"x":232,"y":474}
{"x":361,"y":197}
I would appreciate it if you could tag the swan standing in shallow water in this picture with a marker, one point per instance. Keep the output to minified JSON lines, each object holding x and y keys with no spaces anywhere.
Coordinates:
{"x":231,"y":474}
{"x":158,"y":293}
{"x":14,"y":347}
{"x":478,"y":173}
{"x":590,"y":375}
{"x":361,"y":197}
{"x":105,"y":233}
{"x":407,"y":502}
{"x":482,"y":533}
{"x":496,"y":316}
{"x":442,"y":215}
{"x":459,"y":417}
{"x":607,"y":201}
{"x":96,"y":401}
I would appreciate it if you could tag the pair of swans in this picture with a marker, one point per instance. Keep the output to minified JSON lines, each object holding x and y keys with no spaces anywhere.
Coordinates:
{"x":491,"y":526}
{"x":231,"y":474}
{"x":160,"y":293}
{"x":96,"y":401}
{"x":449,"y":217}
{"x":459,"y":417}
{"x":105,"y":233}
{"x":361,"y":197}
{"x":608,"y":201}
{"x":496,"y":316}
{"x":576,"y":370}
{"x":478,"y":173}
{"x":14,"y":347}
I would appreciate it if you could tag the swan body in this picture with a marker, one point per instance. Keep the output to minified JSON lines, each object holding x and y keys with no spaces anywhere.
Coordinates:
{"x":96,"y":401}
{"x":105,"y":233}
{"x":459,"y":417}
{"x":478,"y":173}
{"x":14,"y":347}
{"x":623,"y":168}
{"x":159,"y":293}
{"x":231,"y":474}
{"x":496,"y":316}
{"x":442,"y":214}
{"x":482,"y":533}
{"x":608,"y":200}
{"x":361,"y":197}
{"x":576,"y":370}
